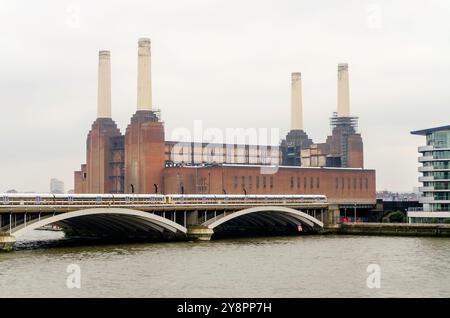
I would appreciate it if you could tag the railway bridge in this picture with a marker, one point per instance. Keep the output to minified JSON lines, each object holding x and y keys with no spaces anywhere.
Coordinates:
{"x":160,"y":217}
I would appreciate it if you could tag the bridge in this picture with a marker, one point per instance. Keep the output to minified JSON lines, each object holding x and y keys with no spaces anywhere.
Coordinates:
{"x":160,"y":217}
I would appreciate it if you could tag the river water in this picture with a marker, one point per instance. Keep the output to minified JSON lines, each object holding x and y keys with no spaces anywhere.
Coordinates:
{"x":304,"y":266}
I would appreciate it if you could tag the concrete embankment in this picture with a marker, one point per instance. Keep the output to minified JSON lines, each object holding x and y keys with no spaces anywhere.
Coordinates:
{"x":391,"y":229}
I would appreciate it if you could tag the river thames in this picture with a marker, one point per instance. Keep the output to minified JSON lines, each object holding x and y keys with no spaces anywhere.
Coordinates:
{"x":303,"y":266}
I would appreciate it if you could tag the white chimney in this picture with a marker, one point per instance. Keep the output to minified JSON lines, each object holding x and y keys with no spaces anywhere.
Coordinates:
{"x":343,"y":91}
{"x":104,"y":85}
{"x":296,"y":102}
{"x":144,"y":95}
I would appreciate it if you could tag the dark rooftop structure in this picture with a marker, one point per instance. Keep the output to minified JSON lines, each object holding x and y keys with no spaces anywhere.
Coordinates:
{"x":427,"y":131}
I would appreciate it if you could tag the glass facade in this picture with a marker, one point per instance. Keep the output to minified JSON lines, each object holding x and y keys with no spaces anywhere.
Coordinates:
{"x":439,"y":139}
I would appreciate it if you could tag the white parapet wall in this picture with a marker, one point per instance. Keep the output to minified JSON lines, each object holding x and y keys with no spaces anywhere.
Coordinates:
{"x":427,"y":215}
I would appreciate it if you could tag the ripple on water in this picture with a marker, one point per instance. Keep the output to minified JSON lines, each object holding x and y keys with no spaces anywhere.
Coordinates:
{"x":305,"y":266}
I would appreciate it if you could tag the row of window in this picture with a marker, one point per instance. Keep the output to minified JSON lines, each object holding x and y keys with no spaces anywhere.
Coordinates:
{"x":305,"y":183}
{"x":442,"y":185}
{"x":311,"y":183}
{"x":438,"y":195}
{"x":443,"y":154}
{"x":250,"y":182}
{"x":355,"y":182}
{"x":437,"y":164}
{"x":443,"y":175}
{"x":438,"y":207}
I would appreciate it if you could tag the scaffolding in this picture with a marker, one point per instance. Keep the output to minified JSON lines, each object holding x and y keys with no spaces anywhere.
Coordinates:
{"x":345,"y":126}
{"x":117,"y":164}
{"x":350,"y":123}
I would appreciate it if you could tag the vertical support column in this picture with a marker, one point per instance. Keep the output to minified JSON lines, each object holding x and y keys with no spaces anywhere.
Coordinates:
{"x":192,"y":218}
{"x":332,"y":216}
{"x":196,"y":231}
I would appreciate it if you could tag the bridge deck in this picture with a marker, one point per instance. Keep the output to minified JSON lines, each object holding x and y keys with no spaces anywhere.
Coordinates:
{"x":150,"y":207}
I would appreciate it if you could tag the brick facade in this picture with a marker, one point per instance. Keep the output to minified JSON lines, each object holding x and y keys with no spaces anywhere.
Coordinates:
{"x":338,"y":184}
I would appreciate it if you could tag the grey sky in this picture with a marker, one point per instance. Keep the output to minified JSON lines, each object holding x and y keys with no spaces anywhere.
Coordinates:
{"x":227,"y":63}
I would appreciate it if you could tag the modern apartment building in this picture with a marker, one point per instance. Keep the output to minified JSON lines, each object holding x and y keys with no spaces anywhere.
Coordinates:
{"x":435,"y":178}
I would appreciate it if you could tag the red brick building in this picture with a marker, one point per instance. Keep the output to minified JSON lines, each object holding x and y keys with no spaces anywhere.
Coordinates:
{"x":338,"y":184}
{"x":142,"y":161}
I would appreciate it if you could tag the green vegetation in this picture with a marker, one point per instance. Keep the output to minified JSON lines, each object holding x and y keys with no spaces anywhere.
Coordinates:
{"x":394,"y":217}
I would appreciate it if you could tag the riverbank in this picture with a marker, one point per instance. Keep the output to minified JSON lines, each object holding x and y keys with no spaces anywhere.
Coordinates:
{"x":391,"y":229}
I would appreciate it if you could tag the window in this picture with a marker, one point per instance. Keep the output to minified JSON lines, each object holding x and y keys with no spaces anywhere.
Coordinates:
{"x":439,"y":139}
{"x":311,"y":182}
{"x":298,"y":182}
{"x":304,"y":183}
{"x":271,"y":182}
{"x":257,"y":182}
{"x":264,"y":182}
{"x":354,"y":183}
{"x":291,"y":183}
{"x":342,"y":184}
{"x":438,"y":175}
{"x":360,"y":183}
{"x":367,"y":184}
{"x":337,"y":183}
{"x":349,"y":183}
{"x":317,"y":183}
{"x":235,"y":182}
{"x":243,"y":182}
{"x":250,"y":181}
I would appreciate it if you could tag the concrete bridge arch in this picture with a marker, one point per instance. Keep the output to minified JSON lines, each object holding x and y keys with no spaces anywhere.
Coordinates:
{"x":261,"y":216}
{"x":106,"y":222}
{"x":284,"y":213}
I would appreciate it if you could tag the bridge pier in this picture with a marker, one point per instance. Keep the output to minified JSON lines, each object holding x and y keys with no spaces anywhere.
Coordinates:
{"x":332,"y":216}
{"x":6,"y":241}
{"x":199,"y":233}
{"x":192,"y":218}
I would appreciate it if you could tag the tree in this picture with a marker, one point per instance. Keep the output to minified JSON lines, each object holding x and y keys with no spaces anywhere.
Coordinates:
{"x":394,"y":217}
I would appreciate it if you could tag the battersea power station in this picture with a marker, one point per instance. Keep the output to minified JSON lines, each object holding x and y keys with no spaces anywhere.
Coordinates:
{"x":142,"y":161}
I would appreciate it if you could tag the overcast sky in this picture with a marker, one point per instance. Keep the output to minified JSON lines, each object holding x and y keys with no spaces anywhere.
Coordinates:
{"x":227,"y":63}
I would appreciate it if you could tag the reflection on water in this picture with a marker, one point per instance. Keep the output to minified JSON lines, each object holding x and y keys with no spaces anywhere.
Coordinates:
{"x":306,"y":266}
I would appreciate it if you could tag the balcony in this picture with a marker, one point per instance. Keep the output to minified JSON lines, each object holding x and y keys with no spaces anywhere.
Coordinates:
{"x":425,"y":158}
{"x":428,"y":200}
{"x":426,"y":189}
{"x":425,"y":148}
{"x":422,"y":214}
{"x":424,"y":179}
{"x":428,"y":168}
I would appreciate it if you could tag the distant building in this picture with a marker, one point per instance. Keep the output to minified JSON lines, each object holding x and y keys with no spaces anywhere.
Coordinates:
{"x":435,"y":192}
{"x":12,"y":191}
{"x":56,"y":186}
{"x":397,"y":196}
